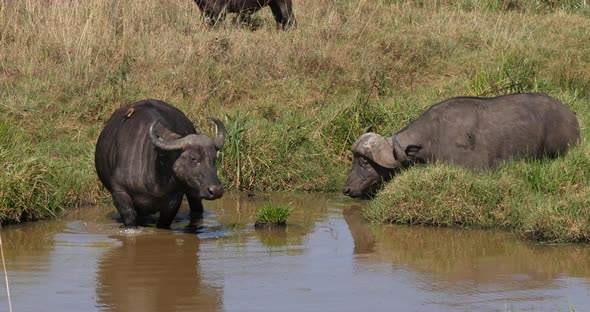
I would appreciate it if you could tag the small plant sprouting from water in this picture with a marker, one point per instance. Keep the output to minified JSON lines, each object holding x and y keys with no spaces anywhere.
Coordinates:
{"x":272,"y":215}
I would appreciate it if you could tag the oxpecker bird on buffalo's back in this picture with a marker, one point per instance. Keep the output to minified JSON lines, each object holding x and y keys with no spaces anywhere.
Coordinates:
{"x":471,"y":132}
{"x":149,"y":156}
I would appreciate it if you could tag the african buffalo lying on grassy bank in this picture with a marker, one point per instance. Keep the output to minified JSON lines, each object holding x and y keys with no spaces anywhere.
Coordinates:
{"x":471,"y":132}
{"x":215,"y":10}
{"x":149,"y":156}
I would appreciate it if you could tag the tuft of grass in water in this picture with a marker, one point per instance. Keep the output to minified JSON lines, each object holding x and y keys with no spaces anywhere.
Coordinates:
{"x":272,"y":215}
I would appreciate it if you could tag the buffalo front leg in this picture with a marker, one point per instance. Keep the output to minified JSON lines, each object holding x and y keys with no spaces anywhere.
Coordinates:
{"x":214,"y":16}
{"x":168,"y":213}
{"x":124,"y":205}
{"x":209,"y":21}
{"x":196,"y":205}
{"x":282,"y":10}
{"x":245,"y":18}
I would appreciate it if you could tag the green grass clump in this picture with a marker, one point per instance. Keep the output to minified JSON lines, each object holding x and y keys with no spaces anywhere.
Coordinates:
{"x":35,"y":182}
{"x":354,"y":119}
{"x":541,"y":200}
{"x":281,"y":153}
{"x":272,"y":215}
{"x":438,"y":195}
{"x":512,"y":74}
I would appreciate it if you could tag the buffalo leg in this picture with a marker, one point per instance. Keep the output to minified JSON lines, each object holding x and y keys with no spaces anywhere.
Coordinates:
{"x":196,"y":205}
{"x":124,"y":205}
{"x":168,"y":213}
{"x":212,"y":12}
{"x":214,"y":16}
{"x":282,"y":10}
{"x":210,"y":19}
{"x":245,"y":18}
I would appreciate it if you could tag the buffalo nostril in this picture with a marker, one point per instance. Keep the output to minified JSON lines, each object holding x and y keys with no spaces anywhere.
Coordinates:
{"x":346,"y":190}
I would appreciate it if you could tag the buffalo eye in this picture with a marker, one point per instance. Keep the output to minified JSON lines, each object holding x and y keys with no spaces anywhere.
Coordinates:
{"x":193,"y":159}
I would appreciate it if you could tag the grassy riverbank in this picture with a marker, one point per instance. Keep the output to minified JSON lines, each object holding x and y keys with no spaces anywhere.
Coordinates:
{"x":293,"y":102}
{"x":545,"y":201}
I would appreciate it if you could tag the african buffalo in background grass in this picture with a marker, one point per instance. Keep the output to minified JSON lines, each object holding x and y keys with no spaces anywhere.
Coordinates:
{"x":471,"y":132}
{"x":214,"y":11}
{"x":149,"y":156}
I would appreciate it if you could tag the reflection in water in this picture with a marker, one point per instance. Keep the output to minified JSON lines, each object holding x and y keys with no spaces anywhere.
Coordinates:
{"x":274,"y":238}
{"x":50,"y":268}
{"x":486,"y":266}
{"x":28,"y":243}
{"x":154,"y":272}
{"x":476,"y":255}
{"x":364,"y":240}
{"x":241,"y":217}
{"x":327,"y":259}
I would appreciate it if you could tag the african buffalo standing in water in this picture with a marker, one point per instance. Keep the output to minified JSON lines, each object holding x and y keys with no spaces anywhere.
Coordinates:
{"x":471,"y":132}
{"x":215,"y":10}
{"x":149,"y":156}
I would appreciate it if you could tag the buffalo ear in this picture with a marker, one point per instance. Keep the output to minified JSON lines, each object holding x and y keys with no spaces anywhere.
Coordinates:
{"x":412,"y":151}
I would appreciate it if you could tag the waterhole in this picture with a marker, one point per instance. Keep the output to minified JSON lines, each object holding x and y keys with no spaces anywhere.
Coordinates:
{"x":326,"y":259}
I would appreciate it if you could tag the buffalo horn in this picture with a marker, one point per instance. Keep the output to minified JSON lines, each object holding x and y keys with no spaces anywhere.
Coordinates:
{"x":376,"y":148}
{"x":175,"y":144}
{"x":220,"y":139}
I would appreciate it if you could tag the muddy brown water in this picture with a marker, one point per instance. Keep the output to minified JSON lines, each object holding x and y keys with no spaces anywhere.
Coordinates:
{"x":327,"y":259}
